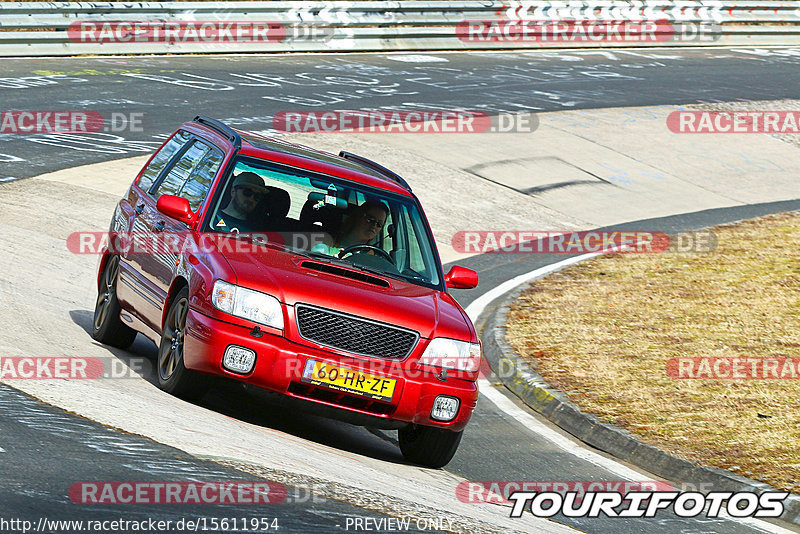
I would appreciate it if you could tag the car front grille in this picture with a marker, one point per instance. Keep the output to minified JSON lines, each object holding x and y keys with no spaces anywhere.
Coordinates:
{"x":352,"y":334}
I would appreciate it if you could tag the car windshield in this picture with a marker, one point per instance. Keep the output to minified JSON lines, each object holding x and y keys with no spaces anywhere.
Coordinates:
{"x":327,"y":218}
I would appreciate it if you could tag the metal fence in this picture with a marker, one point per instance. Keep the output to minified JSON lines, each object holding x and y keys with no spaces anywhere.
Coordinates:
{"x":64,"y":28}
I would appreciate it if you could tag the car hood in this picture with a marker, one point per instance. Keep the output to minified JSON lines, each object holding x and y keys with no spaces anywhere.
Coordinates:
{"x":297,"y":279}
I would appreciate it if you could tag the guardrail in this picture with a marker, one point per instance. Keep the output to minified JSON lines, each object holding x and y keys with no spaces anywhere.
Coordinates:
{"x":104,"y":28}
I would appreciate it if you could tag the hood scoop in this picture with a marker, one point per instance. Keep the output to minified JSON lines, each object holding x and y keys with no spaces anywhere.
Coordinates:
{"x":346,"y":273}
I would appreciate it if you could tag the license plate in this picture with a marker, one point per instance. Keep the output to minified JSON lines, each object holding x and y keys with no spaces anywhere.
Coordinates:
{"x":348,"y":380}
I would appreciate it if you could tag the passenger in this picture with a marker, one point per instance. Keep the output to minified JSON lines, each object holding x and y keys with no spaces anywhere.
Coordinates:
{"x":359,"y":228}
{"x":246,"y":191}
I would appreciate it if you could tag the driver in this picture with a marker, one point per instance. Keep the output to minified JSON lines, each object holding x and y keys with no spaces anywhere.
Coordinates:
{"x":246,"y":191}
{"x":360,"y":228}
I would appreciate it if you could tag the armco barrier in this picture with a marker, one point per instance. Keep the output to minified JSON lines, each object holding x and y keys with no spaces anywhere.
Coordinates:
{"x":53,"y":28}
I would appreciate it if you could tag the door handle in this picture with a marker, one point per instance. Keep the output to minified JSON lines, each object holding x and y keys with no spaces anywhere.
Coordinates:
{"x":160,"y":226}
{"x":139,"y":209}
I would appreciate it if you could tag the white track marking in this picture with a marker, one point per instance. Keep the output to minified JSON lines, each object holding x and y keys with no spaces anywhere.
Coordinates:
{"x":416,"y":58}
{"x":556,"y":438}
{"x":569,"y":446}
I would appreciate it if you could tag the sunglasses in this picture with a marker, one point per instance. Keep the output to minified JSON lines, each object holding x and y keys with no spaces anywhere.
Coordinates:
{"x":373,"y":221}
{"x":250,"y":193}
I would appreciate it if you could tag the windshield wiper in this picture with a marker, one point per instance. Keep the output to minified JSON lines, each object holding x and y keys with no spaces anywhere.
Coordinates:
{"x":325,"y":258}
{"x":395,"y":276}
{"x":344,"y":263}
{"x":417,"y":277}
{"x":321,"y":256}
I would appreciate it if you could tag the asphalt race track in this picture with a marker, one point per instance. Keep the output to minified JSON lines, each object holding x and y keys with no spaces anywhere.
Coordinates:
{"x":247,"y":91}
{"x":44,"y":450}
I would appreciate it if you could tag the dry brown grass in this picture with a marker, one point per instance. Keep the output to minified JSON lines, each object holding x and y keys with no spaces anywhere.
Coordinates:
{"x":603,"y":330}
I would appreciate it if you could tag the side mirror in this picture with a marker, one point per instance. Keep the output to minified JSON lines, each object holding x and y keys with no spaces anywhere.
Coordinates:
{"x":175,"y":207}
{"x":461,"y":278}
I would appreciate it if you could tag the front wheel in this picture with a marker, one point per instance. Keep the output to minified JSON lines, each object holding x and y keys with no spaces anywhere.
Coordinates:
{"x":428,"y":446}
{"x":173,"y":376}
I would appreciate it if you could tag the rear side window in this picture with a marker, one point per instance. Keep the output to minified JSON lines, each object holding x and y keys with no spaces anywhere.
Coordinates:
{"x":160,"y":160}
{"x":186,"y":168}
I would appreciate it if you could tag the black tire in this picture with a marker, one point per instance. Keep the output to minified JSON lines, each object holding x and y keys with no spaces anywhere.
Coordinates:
{"x":107,"y":326}
{"x":428,"y":446}
{"x":173,"y":376}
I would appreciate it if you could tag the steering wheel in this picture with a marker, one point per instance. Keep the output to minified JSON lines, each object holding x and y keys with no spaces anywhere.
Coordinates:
{"x":380,"y":251}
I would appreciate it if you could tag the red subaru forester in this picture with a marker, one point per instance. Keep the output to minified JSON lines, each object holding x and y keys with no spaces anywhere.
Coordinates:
{"x":297,"y":271}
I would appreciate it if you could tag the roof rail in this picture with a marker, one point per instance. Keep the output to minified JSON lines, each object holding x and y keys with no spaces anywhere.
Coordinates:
{"x":220,"y":127}
{"x":374,"y":166}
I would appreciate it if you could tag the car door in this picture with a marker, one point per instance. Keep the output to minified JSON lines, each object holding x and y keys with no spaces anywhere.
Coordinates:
{"x":189,"y":176}
{"x":132,"y":291}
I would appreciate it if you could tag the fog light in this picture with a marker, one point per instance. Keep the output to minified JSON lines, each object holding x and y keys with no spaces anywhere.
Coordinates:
{"x":239,"y":359}
{"x":445,"y":408}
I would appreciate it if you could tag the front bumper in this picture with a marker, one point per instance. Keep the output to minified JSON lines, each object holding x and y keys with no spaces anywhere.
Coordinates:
{"x":280,"y":362}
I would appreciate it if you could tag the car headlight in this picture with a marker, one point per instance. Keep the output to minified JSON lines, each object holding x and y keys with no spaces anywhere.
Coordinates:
{"x":452,"y":354}
{"x":247,"y":304}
